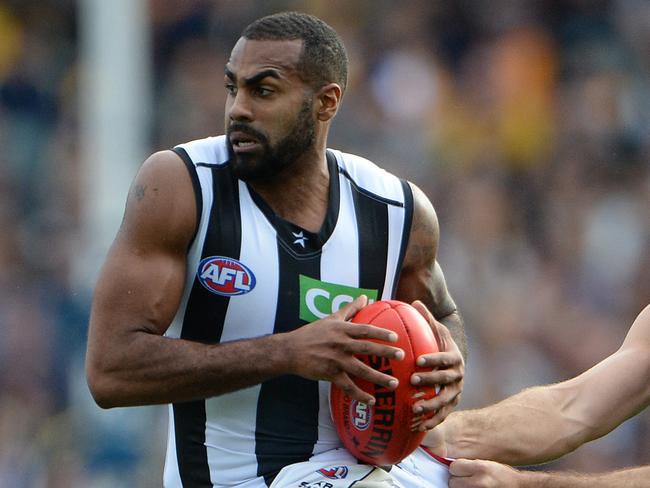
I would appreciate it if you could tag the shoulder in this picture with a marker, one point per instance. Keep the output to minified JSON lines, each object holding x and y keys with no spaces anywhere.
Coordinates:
{"x":425,"y":219}
{"x":162,"y":171}
{"x":423,"y":212}
{"x":425,"y":231}
{"x":371,"y":178}
{"x":161,"y":202}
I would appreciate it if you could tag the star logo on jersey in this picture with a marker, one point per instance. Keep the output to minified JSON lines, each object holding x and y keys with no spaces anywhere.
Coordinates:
{"x":300,"y":238}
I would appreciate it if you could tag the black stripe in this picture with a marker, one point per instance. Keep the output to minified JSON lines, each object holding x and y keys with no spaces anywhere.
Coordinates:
{"x":368,"y":193}
{"x":372,"y":227}
{"x":406,"y":232}
{"x":203,"y":322}
{"x":198,"y":195}
{"x":287,"y":408}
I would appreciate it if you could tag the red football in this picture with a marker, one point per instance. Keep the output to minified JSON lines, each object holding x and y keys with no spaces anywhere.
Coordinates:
{"x":381,"y":434}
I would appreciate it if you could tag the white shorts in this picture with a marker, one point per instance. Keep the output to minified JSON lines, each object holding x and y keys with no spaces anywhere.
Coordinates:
{"x":339,"y":469}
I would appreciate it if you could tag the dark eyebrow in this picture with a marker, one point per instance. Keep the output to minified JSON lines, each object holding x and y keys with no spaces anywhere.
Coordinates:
{"x":256,"y":78}
{"x":273,"y":73}
{"x":230,"y":74}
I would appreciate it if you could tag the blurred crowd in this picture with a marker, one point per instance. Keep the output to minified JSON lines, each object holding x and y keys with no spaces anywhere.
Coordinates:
{"x":527,"y":122}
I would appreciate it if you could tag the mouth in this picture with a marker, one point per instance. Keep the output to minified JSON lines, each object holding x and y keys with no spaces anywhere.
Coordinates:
{"x":242,"y":142}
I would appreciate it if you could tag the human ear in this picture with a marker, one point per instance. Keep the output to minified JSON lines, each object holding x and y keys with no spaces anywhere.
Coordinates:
{"x":328,"y":99}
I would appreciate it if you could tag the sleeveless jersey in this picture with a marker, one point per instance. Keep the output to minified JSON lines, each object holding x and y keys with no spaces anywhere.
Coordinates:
{"x":251,"y":273}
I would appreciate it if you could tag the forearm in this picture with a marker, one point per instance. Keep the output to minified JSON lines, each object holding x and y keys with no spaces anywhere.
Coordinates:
{"x":627,"y":478}
{"x":524,"y":429}
{"x":151,"y":369}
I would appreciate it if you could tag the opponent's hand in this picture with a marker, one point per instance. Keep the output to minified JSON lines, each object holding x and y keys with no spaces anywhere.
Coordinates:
{"x":447,"y":372}
{"x":326,"y":349}
{"x":466,"y":473}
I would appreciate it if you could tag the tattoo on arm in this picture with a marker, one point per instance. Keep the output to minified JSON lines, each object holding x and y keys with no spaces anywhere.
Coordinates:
{"x":139,"y":191}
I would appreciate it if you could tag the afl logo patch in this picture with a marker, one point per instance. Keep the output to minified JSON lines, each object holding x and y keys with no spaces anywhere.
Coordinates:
{"x":225,"y":276}
{"x":361,"y":414}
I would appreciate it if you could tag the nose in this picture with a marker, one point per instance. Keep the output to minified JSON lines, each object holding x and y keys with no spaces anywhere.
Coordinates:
{"x":240,"y":109}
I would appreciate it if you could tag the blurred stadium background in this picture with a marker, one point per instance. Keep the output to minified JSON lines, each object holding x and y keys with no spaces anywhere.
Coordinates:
{"x":526,"y":122}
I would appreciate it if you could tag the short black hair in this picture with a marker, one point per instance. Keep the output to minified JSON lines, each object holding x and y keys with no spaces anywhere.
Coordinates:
{"x":323,"y":59}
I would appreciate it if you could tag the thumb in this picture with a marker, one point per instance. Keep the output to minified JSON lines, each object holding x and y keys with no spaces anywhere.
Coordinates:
{"x":463,"y":467}
{"x":439,"y":330}
{"x":351,"y":309}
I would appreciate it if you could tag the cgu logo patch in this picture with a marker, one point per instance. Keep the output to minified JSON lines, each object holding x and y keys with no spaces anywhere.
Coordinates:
{"x":335,"y":472}
{"x":361,"y":414}
{"x":225,"y":276}
{"x":318,"y":299}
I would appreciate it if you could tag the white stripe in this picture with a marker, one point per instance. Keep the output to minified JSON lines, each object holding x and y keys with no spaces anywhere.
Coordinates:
{"x":395,"y":229}
{"x":339,"y":261}
{"x":171,"y":477}
{"x":230,"y":433}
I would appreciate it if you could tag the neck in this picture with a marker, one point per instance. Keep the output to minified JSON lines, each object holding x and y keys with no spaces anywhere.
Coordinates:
{"x":300,"y":193}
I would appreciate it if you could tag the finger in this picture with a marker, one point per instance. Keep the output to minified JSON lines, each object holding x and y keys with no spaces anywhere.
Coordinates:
{"x":352,"y":308}
{"x":369,"y":348}
{"x":424,"y":311}
{"x":439,"y":416}
{"x":438,"y":329}
{"x":436,"y":420}
{"x":440,"y":360}
{"x":367,"y":331}
{"x":361,"y":370}
{"x":463,"y":467}
{"x":348,"y":387}
{"x":436,"y":378}
{"x":443,"y":335}
{"x":446,"y":397}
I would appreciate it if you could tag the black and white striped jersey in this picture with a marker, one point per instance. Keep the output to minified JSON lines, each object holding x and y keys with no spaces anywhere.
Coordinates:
{"x":252,"y":273}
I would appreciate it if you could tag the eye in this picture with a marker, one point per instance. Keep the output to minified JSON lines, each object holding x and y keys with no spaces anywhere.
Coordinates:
{"x":263,"y":92}
{"x":230,"y":88}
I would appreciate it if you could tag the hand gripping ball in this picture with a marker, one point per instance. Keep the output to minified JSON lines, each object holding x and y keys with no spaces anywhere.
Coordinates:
{"x":381,"y":434}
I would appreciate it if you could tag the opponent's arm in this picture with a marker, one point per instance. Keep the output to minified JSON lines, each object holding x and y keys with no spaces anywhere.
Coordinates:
{"x":423,"y":284}
{"x":130,"y":362}
{"x":487,"y":474}
{"x":543,"y":423}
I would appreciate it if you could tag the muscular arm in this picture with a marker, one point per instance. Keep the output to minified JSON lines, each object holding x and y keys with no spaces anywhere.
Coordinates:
{"x":423,"y":284}
{"x":130,"y":362}
{"x":546,"y":422}
{"x":422,"y":278}
{"x":487,"y":474}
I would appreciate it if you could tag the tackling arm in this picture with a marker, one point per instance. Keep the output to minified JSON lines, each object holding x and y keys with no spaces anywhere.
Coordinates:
{"x":546,"y":422}
{"x":467,"y":473}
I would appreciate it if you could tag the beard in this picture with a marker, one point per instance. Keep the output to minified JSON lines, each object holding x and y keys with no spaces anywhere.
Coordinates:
{"x":273,"y":158}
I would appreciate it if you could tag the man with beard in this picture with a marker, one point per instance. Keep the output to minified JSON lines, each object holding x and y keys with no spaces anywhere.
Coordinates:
{"x":241,"y":258}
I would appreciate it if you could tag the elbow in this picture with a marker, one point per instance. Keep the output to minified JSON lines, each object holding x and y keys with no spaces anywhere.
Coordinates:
{"x":102,"y":387}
